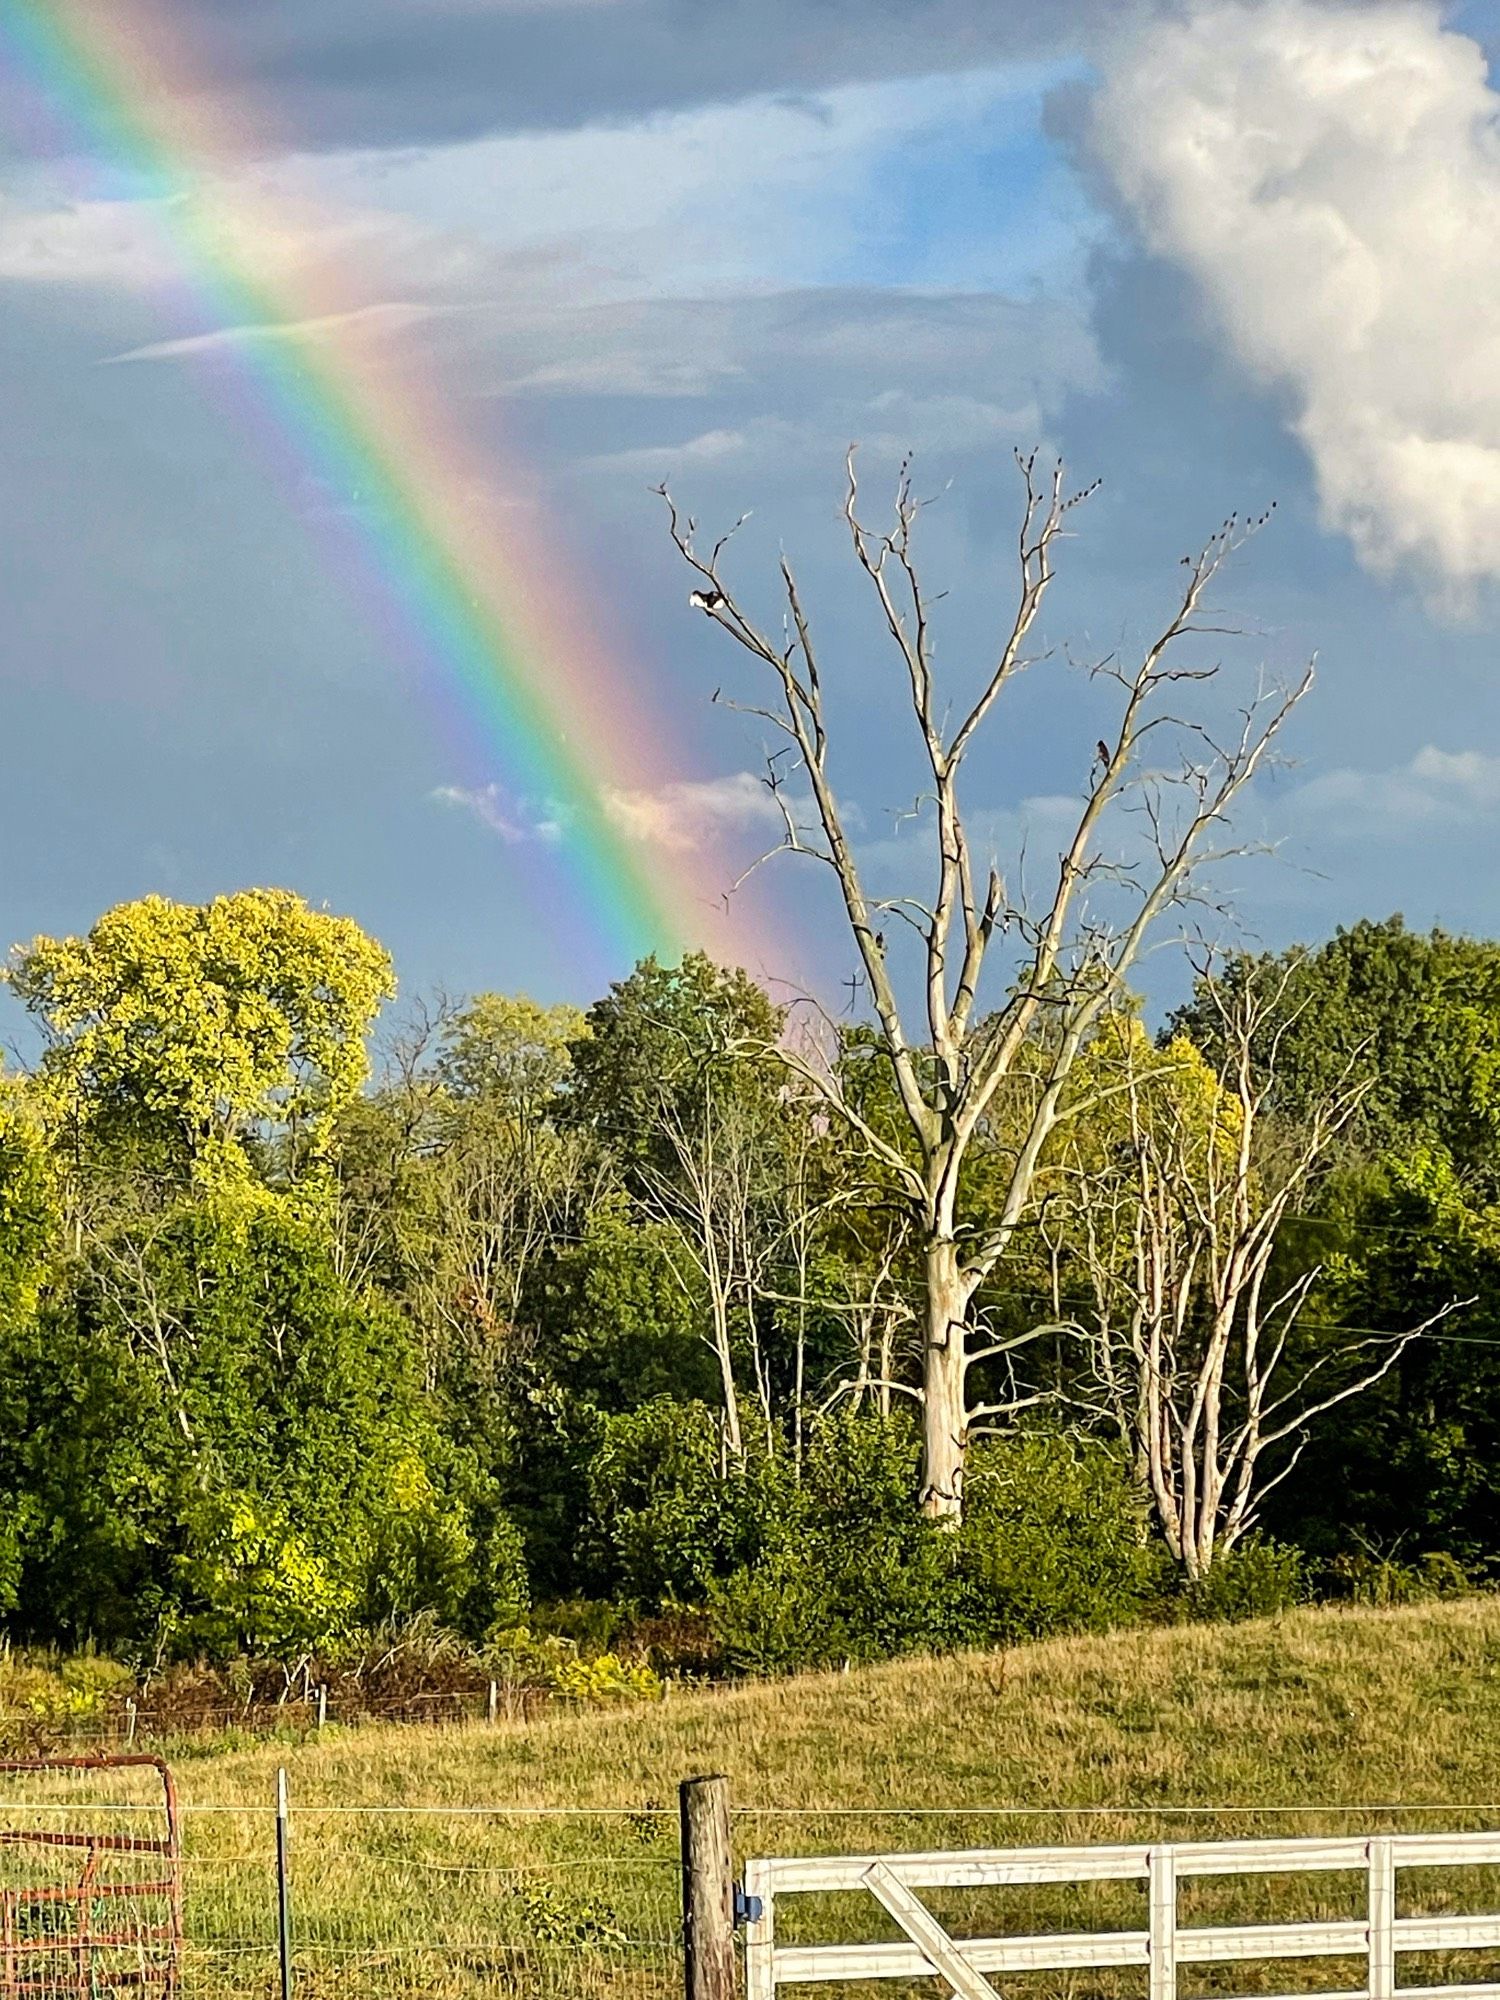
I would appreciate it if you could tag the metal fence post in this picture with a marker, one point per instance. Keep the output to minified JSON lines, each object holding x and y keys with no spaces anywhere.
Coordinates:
{"x":707,"y":1890}
{"x":283,"y":1883}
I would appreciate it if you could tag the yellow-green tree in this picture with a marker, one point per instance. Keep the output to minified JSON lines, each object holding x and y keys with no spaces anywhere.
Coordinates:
{"x":183,"y":1036}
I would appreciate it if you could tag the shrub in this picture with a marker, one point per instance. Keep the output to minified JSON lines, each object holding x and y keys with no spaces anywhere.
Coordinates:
{"x":838,"y":1596}
{"x":606,"y":1678}
{"x":45,"y":1701}
{"x":592,"y":1623}
{"x":1366,"y":1578}
{"x":1052,"y":1541}
{"x":1255,"y":1579}
{"x":669,"y":1516}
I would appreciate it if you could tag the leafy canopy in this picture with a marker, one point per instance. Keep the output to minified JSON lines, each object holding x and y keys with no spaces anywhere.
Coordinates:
{"x":181,"y":1030}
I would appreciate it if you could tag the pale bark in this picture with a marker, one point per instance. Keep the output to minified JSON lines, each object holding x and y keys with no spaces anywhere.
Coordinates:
{"x":1172,"y":1235}
{"x":944,"y":1370}
{"x":950,"y":1062}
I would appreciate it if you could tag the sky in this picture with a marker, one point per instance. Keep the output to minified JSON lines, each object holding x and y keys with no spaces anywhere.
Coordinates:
{"x":1214,"y":254}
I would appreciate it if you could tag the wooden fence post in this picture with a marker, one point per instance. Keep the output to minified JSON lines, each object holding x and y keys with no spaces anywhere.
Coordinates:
{"x":707,"y":1890}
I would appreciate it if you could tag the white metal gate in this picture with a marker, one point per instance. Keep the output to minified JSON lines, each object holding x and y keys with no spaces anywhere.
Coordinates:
{"x":895,"y":1881}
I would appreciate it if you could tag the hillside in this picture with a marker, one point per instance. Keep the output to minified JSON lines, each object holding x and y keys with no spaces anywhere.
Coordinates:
{"x":1336,"y":1713}
{"x":1319,"y":1706}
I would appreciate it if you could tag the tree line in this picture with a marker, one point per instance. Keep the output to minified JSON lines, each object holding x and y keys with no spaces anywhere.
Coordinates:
{"x":600,"y":1315}
{"x":984,"y":1309}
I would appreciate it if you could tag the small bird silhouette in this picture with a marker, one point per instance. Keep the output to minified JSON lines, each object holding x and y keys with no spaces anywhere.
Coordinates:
{"x":706,"y":600}
{"x":1101,"y":753}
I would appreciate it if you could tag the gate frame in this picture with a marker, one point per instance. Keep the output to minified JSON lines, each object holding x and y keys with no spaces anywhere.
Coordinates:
{"x":963,"y":1962}
{"x":14,"y":1981}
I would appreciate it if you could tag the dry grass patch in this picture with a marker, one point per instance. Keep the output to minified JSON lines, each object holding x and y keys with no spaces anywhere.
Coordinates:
{"x":1339,"y":1712}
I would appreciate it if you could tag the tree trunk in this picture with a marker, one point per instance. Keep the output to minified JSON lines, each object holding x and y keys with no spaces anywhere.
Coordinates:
{"x":947,"y":1306}
{"x":724,"y":1355}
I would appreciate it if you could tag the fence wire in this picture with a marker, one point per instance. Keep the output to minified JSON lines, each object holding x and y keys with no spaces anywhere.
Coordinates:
{"x":383,"y":1904}
{"x":457,"y":1901}
{"x":54,"y":1727}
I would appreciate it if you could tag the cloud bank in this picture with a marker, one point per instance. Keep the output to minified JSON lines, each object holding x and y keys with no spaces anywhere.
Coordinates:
{"x":1436,"y":790}
{"x":676,"y":817}
{"x":1329,"y":176}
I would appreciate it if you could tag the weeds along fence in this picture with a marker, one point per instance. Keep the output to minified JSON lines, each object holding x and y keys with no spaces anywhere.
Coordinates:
{"x":555,"y":1902}
{"x":53,"y":1725}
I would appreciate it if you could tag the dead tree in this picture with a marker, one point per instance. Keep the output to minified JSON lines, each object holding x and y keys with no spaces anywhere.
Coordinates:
{"x":1064,"y":963}
{"x":1167,"y":1215}
{"x":710,"y":1192}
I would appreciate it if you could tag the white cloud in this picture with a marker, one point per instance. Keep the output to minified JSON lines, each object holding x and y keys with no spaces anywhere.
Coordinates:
{"x":614,"y":373}
{"x":388,"y":316}
{"x":885,"y":426}
{"x":685,"y":814}
{"x":94,"y":242}
{"x":680,"y":816}
{"x":1437,"y":789}
{"x":514,"y":821}
{"x":1330,"y":178}
{"x":762,"y":190}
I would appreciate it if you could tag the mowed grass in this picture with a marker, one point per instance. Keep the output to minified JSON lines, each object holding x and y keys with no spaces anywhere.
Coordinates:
{"x":541,"y":1858}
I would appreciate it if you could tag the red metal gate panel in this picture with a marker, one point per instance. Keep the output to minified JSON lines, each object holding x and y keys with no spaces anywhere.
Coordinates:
{"x":86,"y":1909}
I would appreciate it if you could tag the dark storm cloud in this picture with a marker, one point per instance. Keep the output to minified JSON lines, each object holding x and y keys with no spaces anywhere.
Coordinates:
{"x":340,"y":73}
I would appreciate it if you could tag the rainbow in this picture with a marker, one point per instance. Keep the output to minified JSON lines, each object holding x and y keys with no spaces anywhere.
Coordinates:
{"x":460,"y":578}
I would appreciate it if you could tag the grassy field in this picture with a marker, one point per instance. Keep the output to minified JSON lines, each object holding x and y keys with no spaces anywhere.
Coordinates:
{"x":541,"y":1858}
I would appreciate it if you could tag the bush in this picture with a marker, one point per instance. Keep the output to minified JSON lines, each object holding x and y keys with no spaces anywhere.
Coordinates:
{"x":45,"y":1701}
{"x":1052,"y":1541}
{"x":1255,"y":1579}
{"x":285,"y":1484}
{"x":1366,"y":1578}
{"x":606,"y":1678}
{"x":668,"y":1516}
{"x":545,"y":1661}
{"x":838,"y":1596}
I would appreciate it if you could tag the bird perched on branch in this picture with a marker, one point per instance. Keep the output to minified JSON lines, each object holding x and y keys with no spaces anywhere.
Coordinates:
{"x":706,"y":600}
{"x":1101,"y":754}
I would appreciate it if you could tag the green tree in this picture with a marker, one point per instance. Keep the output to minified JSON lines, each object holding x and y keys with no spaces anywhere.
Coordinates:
{"x":618,"y":1327}
{"x":1415,"y":1016}
{"x":511,"y":1050}
{"x":223,"y":1443}
{"x":671,"y":1079}
{"x":29,"y":1211}
{"x":181,"y":1035}
{"x":651,"y":1044}
{"x":1405,"y":1223}
{"x":29,"y":1224}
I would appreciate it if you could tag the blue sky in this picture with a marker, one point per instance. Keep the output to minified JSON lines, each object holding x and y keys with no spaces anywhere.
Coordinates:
{"x":718,"y":248}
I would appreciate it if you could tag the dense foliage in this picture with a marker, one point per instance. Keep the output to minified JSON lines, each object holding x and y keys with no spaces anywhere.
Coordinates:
{"x":598,"y":1322}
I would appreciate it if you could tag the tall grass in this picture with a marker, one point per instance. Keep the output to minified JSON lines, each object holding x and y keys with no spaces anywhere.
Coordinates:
{"x":540,"y":1857}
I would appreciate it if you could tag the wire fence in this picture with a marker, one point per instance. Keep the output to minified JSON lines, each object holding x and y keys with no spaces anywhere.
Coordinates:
{"x":388,"y":1900}
{"x":53,"y":1726}
{"x":391,"y":1901}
